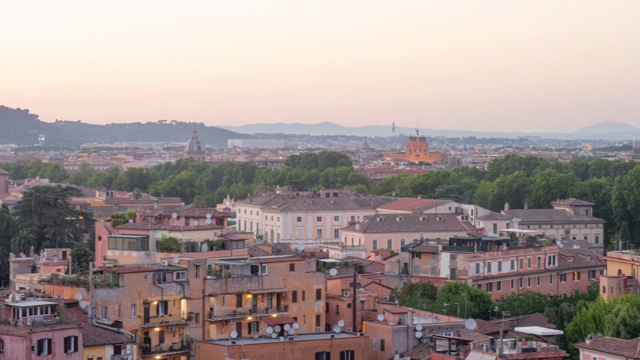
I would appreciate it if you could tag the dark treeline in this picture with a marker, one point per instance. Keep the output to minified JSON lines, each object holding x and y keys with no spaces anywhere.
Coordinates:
{"x":614,"y":186}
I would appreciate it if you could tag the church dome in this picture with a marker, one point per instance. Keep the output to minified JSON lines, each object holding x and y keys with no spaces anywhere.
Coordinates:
{"x":193,"y":144}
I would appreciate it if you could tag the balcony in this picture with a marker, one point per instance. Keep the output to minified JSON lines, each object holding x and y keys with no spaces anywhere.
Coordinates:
{"x":244,"y":313}
{"x":165,"y":350}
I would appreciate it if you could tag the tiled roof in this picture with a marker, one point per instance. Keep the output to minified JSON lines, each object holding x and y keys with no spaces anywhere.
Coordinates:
{"x":549,"y":216}
{"x":424,"y":248}
{"x":93,"y":335}
{"x":411,"y":223}
{"x":3,"y":172}
{"x":494,"y":216}
{"x":305,"y":203}
{"x":396,"y":310}
{"x":135,"y":226}
{"x":414,"y":205}
{"x":573,"y":202}
{"x":578,"y":258}
{"x":486,"y":327}
{"x":629,"y":349}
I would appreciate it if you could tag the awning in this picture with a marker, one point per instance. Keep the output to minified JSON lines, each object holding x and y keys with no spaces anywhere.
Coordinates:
{"x":278,"y":320}
{"x":538,"y":330}
{"x":265,"y":291}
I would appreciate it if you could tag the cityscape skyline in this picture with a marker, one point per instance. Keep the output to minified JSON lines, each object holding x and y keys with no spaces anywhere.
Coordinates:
{"x":531,"y":66}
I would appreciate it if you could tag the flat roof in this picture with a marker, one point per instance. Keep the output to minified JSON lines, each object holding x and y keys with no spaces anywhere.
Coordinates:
{"x":129,"y":236}
{"x":30,"y":303}
{"x":538,"y":330}
{"x":233,"y":263}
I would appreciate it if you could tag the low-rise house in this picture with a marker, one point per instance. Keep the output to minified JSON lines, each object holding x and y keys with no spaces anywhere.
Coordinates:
{"x":601,"y":347}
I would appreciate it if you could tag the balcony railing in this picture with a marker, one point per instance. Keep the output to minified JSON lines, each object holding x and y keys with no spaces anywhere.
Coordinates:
{"x":243,"y":313}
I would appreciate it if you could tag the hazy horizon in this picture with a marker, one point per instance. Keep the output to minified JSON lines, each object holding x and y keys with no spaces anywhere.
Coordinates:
{"x":529,"y":66}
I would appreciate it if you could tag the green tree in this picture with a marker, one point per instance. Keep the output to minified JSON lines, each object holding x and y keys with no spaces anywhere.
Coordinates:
{"x":81,"y":256}
{"x":420,"y":295}
{"x":623,"y":322}
{"x":46,"y":214}
{"x":524,"y":303}
{"x":476,"y":302}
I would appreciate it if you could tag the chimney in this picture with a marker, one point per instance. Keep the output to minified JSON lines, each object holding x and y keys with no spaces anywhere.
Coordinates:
{"x":506,"y":206}
{"x":526,"y":205}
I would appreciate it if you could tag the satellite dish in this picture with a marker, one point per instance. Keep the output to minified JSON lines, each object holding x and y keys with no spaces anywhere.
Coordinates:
{"x":269,"y":330}
{"x":291,"y":331}
{"x":234,"y":334}
{"x":300,"y":247}
{"x":333,"y":272}
{"x":174,"y":215}
{"x":176,"y":260}
{"x":380,"y":317}
{"x":341,"y":323}
{"x":78,"y":296}
{"x":274,"y":335}
{"x":336,"y":329}
{"x":208,"y":216}
{"x":278,"y":328}
{"x":419,"y":327}
{"x":470,"y":324}
{"x":418,"y":334}
{"x":208,"y":222}
{"x":84,"y":304}
{"x":295,"y":326}
{"x":287,"y":327}
{"x":196,"y":222}
{"x":130,"y":221}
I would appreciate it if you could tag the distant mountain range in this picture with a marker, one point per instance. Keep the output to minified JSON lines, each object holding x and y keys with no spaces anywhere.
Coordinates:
{"x":20,"y":127}
{"x":604,"y":130}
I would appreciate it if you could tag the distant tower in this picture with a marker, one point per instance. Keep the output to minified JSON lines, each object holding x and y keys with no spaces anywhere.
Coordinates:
{"x":393,"y":128}
{"x":193,"y":148}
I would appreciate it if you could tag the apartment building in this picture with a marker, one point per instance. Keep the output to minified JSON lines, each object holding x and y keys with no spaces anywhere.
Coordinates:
{"x":393,"y":231}
{"x":623,"y":267}
{"x":304,"y":217}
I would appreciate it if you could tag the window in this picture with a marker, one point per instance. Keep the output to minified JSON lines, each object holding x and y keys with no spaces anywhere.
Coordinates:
{"x":539,"y":262}
{"x":294,"y":296}
{"x":299,"y":219}
{"x":576,"y":275}
{"x":292,"y":267}
{"x":104,"y":312}
{"x":336,"y":233}
{"x":402,"y":242}
{"x":489,"y":267}
{"x":597,"y":239}
{"x":238,"y":300}
{"x":528,"y":282}
{"x":529,"y":263}
{"x":337,"y":309}
{"x":303,"y":295}
{"x":160,"y":277}
{"x":513,"y":264}
{"x":520,"y":283}
{"x":264,"y":270}
{"x":512,"y":284}
{"x":196,"y":271}
{"x":323,"y":355}
{"x":489,"y":287}
{"x":298,"y":233}
{"x":563,"y":277}
{"x":551,"y":260}
{"x":1,"y":345}
{"x":70,"y":344}
{"x":550,"y":279}
{"x":133,"y":310}
{"x":336,"y":218}
{"x":521,"y":263}
{"x":374,"y":244}
{"x":162,"y":307}
{"x":389,"y":244}
{"x":252,"y":327}
{"x":44,"y":347}
{"x":382,"y":345}
{"x":477,"y":268}
{"x":592,"y":274}
{"x":180,"y":275}
{"x":538,"y":281}
{"x":318,"y":294}
{"x":375,"y":343}
{"x":161,"y":337}
{"x":500,"y":266}
{"x":318,"y":233}
{"x":347,"y":355}
{"x":319,"y":218}
{"x":499,"y":285}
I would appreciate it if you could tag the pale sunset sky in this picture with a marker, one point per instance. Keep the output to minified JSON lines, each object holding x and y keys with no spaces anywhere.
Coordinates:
{"x":532,"y":65}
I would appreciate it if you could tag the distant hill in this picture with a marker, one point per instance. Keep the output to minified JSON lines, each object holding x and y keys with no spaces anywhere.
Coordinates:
{"x":21,"y":127}
{"x":606,"y":130}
